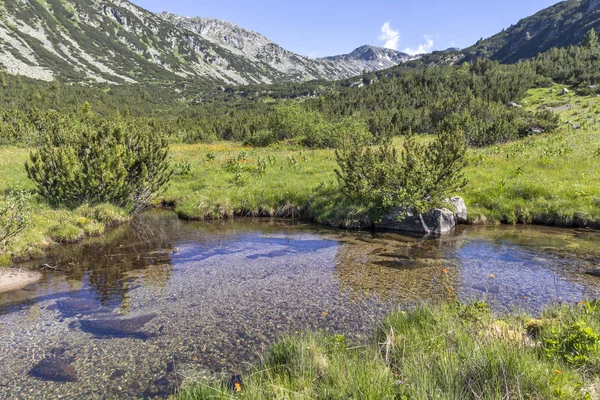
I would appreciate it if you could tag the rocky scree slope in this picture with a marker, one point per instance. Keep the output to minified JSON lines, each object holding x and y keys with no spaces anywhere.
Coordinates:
{"x":116,"y":41}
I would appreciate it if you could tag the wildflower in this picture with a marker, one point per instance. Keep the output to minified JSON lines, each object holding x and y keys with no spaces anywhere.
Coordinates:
{"x":492,"y":276}
{"x":524,"y":297}
{"x":558,"y":371}
{"x":324,"y":313}
{"x":399,"y":383}
{"x":445,"y":270}
{"x":238,"y":387}
{"x":403,"y":312}
{"x":580,"y":303}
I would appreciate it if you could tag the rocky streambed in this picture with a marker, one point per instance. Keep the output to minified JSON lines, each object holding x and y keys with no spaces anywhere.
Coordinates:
{"x":162,"y":302}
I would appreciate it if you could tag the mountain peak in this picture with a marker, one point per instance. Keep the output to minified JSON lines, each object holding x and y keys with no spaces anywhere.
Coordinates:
{"x":374,"y":58}
{"x":372,"y":53}
{"x":116,"y":41}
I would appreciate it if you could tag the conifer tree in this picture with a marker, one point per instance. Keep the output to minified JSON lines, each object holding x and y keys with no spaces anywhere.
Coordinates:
{"x":93,"y":161}
{"x":591,"y":39}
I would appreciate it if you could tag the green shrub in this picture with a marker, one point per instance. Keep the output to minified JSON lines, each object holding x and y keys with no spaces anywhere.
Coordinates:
{"x":92,"y":161}
{"x":262,"y":138}
{"x":575,"y":344}
{"x":15,"y":214}
{"x":182,"y":167}
{"x":294,"y":122}
{"x":419,"y":177}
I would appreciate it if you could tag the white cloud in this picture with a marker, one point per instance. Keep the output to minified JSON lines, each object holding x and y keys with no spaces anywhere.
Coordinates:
{"x":391,"y":37}
{"x":423,"y":48}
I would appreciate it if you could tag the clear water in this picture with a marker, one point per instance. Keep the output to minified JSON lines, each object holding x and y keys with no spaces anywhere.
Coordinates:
{"x":205,"y":298}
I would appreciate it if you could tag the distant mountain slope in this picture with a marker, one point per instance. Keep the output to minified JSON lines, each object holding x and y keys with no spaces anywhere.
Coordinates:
{"x":560,"y":25}
{"x":117,"y":41}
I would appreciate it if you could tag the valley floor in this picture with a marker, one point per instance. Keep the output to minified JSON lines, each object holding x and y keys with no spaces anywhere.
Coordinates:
{"x":547,"y":179}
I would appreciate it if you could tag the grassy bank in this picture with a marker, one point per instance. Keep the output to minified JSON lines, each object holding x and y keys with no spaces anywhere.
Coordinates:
{"x":48,"y":225}
{"x":545,"y":179}
{"x":445,"y":351}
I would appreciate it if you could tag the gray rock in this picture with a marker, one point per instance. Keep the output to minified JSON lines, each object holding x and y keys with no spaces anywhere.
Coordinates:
{"x":536,"y":130}
{"x":592,"y":87}
{"x":117,"y":327}
{"x":460,"y":209}
{"x":576,"y":126}
{"x":565,"y":91}
{"x":480,"y":220}
{"x":54,"y":369}
{"x":163,"y":387}
{"x":437,"y":221}
{"x":514,"y":105}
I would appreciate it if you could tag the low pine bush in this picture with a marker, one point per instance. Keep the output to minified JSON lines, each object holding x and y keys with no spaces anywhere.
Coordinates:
{"x":94,"y":161}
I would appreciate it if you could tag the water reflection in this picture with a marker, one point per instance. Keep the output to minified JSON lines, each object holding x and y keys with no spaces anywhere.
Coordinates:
{"x":513,"y":275}
{"x":95,"y":268}
{"x":395,"y":267}
{"x":211,"y":295}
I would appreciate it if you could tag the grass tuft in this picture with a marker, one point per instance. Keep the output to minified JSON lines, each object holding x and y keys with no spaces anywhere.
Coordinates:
{"x":441,"y":351}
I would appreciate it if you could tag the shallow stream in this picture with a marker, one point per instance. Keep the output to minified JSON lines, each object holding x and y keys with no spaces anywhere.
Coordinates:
{"x":163,"y":301}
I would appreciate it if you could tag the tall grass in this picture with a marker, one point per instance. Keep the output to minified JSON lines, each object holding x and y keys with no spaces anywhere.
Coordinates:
{"x":442,"y":351}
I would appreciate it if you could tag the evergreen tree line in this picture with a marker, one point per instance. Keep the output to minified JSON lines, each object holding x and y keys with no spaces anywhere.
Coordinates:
{"x":471,"y":96}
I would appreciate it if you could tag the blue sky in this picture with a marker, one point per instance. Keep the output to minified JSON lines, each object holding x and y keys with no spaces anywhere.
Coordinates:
{"x":327,"y":27}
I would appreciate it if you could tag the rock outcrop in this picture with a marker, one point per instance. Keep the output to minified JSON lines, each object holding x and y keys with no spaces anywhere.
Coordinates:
{"x":435,"y":222}
{"x":460,"y":209}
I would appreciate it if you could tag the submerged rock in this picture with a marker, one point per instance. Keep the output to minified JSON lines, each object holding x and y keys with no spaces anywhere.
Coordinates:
{"x":72,"y":307}
{"x":163,"y":387}
{"x":437,"y":221}
{"x":118,"y":373}
{"x":54,"y":369}
{"x":118,"y":327}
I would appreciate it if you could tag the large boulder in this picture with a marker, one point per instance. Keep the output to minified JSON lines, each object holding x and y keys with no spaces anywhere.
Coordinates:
{"x":437,"y":221}
{"x":460,"y":209}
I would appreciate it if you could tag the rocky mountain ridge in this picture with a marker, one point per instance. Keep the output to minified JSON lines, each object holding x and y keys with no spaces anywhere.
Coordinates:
{"x":560,"y":25}
{"x":118,"y":42}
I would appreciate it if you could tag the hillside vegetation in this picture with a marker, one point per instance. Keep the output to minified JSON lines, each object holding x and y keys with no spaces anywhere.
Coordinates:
{"x":275,"y":157}
{"x":561,"y":25}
